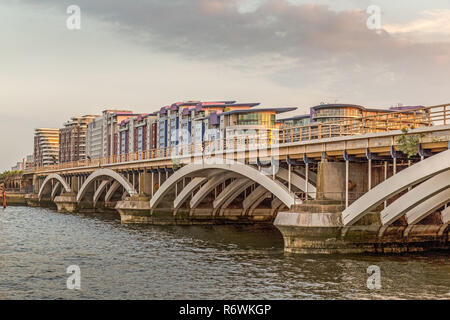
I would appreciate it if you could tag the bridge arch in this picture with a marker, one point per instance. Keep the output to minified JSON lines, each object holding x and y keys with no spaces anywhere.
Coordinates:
{"x":218,"y":179}
{"x":187,"y":190}
{"x":253,"y":197}
{"x":228,"y":200}
{"x":408,"y":177}
{"x":55,"y":190}
{"x":425,"y":208}
{"x":213,"y":182}
{"x":410,"y":200}
{"x":51,"y":177}
{"x":246,"y":171}
{"x":105,"y":173}
{"x":101,"y":188}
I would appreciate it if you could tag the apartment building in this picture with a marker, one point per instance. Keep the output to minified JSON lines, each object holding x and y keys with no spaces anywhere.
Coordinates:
{"x":72,"y":139}
{"x":102,"y":133}
{"x":46,"y":146}
{"x":252,"y":126}
{"x":137,"y":133}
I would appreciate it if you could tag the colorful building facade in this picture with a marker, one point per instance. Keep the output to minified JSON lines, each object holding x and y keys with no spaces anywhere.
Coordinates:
{"x":72,"y":139}
{"x":46,"y":146}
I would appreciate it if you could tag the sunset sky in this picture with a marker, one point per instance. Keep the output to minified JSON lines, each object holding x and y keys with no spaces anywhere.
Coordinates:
{"x":145,"y":54}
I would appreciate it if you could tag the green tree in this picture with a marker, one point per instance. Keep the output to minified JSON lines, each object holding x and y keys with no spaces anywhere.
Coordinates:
{"x":409,"y":143}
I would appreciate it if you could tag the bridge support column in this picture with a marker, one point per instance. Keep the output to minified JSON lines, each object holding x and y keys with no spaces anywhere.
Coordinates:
{"x":35,"y":184}
{"x":136,"y":209}
{"x":145,"y":183}
{"x":333,"y":183}
{"x":66,"y":203}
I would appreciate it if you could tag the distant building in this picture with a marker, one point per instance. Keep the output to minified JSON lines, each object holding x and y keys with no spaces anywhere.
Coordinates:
{"x":46,"y":146}
{"x":28,"y":162}
{"x":137,"y":133}
{"x":355,"y":117}
{"x":102,"y":135}
{"x":257,"y":126}
{"x":326,"y":113}
{"x":296,"y":121}
{"x":72,"y":139}
{"x":192,"y":122}
{"x":94,"y":138}
{"x":17,"y":167}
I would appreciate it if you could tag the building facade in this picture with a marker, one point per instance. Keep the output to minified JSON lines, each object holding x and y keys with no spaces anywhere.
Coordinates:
{"x":250,"y":126}
{"x":72,"y":139}
{"x":193,"y":126}
{"x":46,"y":146}
{"x":137,"y":134}
{"x":102,"y":133}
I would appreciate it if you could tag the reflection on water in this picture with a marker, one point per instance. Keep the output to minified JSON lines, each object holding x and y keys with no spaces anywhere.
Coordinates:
{"x":198,"y":262}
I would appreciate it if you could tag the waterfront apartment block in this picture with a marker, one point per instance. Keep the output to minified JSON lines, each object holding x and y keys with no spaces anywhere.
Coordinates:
{"x":72,"y":139}
{"x":208,"y":125}
{"x":327,"y":113}
{"x":102,"y":133}
{"x":253,"y":126}
{"x":137,"y":133}
{"x":46,"y":146}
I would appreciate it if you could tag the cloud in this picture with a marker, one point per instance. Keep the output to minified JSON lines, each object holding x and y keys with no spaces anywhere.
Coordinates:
{"x":433,"y":25}
{"x":293,"y":45}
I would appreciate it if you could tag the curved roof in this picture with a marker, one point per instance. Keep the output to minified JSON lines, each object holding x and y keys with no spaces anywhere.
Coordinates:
{"x":338,"y":105}
{"x":276,"y":110}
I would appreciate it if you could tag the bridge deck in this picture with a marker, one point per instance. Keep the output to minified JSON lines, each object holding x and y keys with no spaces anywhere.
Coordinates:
{"x":435,"y":138}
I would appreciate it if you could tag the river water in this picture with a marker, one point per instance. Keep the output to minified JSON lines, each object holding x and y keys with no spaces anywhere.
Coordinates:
{"x":198,"y":262}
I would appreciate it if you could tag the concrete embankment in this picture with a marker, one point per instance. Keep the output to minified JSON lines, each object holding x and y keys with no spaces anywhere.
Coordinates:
{"x":15,"y":199}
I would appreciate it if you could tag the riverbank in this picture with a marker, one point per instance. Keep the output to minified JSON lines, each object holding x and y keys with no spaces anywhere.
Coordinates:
{"x":16,"y":199}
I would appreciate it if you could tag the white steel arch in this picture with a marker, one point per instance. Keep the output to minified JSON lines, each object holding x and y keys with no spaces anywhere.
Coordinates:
{"x":253,"y":197}
{"x":277,"y":188}
{"x":187,"y":190}
{"x":100,"y":190}
{"x":55,"y":189}
{"x":55,"y":177}
{"x":396,"y":184}
{"x":233,"y":194}
{"x":105,"y":173}
{"x":419,"y":194}
{"x":422,"y":210}
{"x":111,"y":191}
{"x":213,"y":182}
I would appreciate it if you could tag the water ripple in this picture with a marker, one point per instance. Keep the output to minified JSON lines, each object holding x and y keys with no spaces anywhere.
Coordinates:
{"x":222,"y":262}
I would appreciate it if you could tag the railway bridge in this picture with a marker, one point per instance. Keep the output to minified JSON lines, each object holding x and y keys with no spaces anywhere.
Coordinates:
{"x":331,"y":192}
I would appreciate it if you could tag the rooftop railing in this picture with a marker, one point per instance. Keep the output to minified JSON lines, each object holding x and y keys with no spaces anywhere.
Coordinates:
{"x":421,"y":117}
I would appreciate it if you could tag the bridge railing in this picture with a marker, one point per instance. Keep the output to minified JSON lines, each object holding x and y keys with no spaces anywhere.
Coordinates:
{"x":420,"y":117}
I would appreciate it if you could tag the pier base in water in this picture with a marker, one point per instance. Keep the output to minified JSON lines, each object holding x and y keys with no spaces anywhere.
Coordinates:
{"x":317,"y":229}
{"x":66,"y":203}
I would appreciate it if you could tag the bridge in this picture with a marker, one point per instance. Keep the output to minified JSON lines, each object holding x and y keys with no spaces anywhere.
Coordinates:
{"x":329,"y":188}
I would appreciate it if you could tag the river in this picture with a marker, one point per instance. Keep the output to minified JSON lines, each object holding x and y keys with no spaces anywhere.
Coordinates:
{"x":198,"y":262}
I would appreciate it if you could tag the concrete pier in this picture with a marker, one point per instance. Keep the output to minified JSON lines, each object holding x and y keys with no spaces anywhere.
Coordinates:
{"x":66,"y":203}
{"x":317,"y":228}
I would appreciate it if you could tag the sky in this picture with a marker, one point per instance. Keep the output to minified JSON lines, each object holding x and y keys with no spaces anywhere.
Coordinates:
{"x":145,"y":54}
